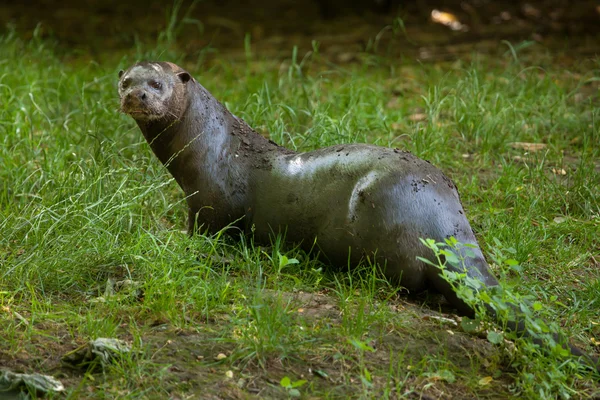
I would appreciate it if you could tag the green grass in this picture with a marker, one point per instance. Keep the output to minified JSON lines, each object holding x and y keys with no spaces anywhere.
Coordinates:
{"x":84,"y":201}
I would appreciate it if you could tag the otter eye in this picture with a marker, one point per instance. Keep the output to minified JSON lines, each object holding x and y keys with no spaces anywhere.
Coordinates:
{"x":155,"y":84}
{"x":126,"y":82}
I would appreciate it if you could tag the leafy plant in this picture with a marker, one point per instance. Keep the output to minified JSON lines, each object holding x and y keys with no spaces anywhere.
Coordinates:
{"x":291,"y":387}
{"x":512,"y":310}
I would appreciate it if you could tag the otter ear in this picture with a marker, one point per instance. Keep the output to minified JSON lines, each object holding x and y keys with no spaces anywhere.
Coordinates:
{"x":121,"y":73}
{"x":184,"y":76}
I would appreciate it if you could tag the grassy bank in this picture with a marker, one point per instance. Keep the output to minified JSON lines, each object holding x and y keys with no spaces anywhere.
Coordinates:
{"x":92,"y":242}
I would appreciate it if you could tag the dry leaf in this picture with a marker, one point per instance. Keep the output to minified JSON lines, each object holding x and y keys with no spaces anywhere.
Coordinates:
{"x":417,"y":117}
{"x":396,"y":126}
{"x":346,"y":57}
{"x":532,"y":147}
{"x":35,"y":382}
{"x":448,"y":19}
{"x":394,"y":102}
{"x":537,"y":37}
{"x":440,"y":319}
{"x":520,"y":159}
{"x":21,"y":318}
{"x":531,"y":11}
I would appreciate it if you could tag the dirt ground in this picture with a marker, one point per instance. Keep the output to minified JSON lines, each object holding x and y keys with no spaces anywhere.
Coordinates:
{"x":188,"y":363}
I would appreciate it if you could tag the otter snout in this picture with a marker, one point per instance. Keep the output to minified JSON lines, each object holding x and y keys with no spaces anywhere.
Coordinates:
{"x":135,"y":102}
{"x":135,"y":97}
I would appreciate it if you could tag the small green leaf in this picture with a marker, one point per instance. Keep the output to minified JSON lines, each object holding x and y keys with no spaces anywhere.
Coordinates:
{"x":469,"y":253}
{"x":495,"y":337}
{"x":367,"y":375}
{"x":447,"y":375}
{"x":426,"y":261}
{"x":453,"y":276}
{"x":485,"y":381}
{"x":320,"y":373}
{"x":525,"y":308}
{"x":534,"y":325}
{"x":516,"y":268}
{"x":360,"y":345}
{"x":450,"y":257}
{"x":443,"y":374}
{"x":294,"y":392}
{"x":451,"y":241}
{"x":537,"y":306}
{"x":285,"y":382}
{"x":469,"y":325}
{"x":283,"y":260}
{"x":299,"y":383}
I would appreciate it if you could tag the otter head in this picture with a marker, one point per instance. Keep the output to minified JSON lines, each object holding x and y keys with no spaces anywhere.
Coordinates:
{"x":153,"y":91}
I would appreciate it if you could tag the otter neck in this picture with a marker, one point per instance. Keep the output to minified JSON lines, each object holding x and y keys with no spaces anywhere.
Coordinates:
{"x":210,"y":152}
{"x":159,"y":135}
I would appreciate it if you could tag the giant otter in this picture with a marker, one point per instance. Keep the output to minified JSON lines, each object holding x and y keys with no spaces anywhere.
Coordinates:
{"x":356,"y":200}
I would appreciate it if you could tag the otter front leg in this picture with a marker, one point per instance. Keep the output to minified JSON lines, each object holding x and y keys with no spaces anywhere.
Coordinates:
{"x":192,"y":222}
{"x":198,"y":221}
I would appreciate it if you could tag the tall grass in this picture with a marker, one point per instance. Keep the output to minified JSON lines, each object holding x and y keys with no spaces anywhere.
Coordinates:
{"x":83,"y":203}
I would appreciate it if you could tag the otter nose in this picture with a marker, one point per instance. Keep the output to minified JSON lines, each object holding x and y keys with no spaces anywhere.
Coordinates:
{"x":136,"y":97}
